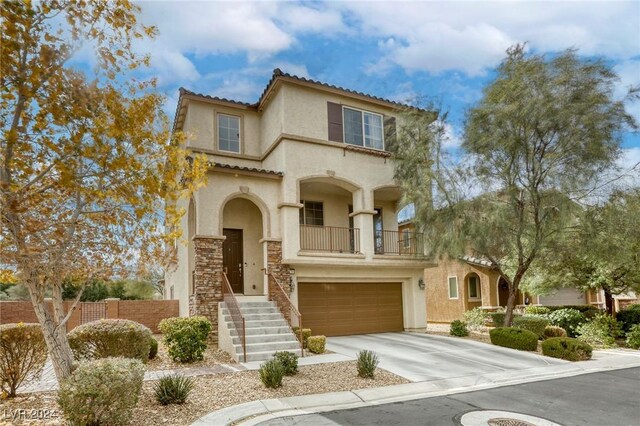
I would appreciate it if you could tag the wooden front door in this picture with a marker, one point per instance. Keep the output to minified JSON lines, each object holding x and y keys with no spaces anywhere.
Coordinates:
{"x":232,"y":258}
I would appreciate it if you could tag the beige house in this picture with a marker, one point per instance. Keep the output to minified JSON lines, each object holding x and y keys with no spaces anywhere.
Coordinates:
{"x":300,"y":187}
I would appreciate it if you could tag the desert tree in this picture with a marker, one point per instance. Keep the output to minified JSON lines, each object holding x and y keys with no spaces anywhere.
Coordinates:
{"x":87,"y":158}
{"x":536,"y":146}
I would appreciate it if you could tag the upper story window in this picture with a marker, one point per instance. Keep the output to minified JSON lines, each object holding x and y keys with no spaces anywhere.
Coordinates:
{"x":312,"y":213}
{"x":363,"y":128}
{"x":228,"y":133}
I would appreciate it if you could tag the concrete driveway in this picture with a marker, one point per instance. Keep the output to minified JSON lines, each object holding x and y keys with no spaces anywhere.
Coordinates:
{"x":420,"y":357}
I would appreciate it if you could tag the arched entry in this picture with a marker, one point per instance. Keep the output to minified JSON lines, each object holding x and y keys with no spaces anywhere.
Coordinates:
{"x":242,"y":252}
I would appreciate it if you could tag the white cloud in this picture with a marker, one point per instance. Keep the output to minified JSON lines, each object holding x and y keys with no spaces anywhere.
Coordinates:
{"x":630,"y":158}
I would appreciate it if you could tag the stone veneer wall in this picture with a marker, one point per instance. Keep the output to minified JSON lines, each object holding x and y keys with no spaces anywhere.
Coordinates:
{"x":207,"y":290}
{"x":275,"y":266}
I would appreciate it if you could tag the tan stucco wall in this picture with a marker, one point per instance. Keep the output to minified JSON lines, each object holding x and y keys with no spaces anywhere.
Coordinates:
{"x":241,"y":213}
{"x":442,"y":309}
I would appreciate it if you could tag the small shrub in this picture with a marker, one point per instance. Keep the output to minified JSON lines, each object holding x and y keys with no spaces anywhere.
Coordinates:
{"x":629,"y":317}
{"x":569,"y":319}
{"x":23,"y":353}
{"x":173,"y":389}
{"x":531,"y":323}
{"x":316,"y":344}
{"x":600,"y":332}
{"x":474,"y":319}
{"x":185,"y":337}
{"x":589,"y":311}
{"x":367,"y":364}
{"x":633,"y":337}
{"x":553,"y":331}
{"x":497,"y":318}
{"x":306,"y":333}
{"x":289,"y":362}
{"x":536,"y":310}
{"x":458,"y":328}
{"x":566,"y":348}
{"x":153,"y":348}
{"x":110,"y":338}
{"x":514,"y":338}
{"x":102,"y":392}
{"x":271,"y":373}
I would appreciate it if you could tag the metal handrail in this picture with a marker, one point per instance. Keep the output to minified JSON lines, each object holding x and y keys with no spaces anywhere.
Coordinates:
{"x":236,"y":314}
{"x":333,"y":239}
{"x":395,"y":242}
{"x":277,"y":294}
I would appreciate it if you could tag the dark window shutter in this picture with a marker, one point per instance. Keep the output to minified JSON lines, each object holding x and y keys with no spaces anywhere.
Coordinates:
{"x":389,"y":133}
{"x":334,"y":112}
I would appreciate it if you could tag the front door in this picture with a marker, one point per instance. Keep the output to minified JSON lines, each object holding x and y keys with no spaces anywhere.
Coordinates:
{"x":232,"y":258}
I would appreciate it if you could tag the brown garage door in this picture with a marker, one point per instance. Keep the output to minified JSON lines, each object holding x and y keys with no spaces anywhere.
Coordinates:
{"x":338,"y":309}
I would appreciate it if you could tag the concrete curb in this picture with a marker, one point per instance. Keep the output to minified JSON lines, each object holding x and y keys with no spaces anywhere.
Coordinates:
{"x":256,"y":412}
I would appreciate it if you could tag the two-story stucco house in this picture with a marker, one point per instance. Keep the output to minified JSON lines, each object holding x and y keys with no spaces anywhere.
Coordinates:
{"x":301,"y":191}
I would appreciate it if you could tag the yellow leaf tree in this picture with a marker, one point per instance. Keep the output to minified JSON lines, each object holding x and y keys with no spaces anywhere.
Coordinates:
{"x":86,"y":163}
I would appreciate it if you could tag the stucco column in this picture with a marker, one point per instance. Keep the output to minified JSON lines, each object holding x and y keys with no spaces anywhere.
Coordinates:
{"x":290,"y":229}
{"x":363,"y":213}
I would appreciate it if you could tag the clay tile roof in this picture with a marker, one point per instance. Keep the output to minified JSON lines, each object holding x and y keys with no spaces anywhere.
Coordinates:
{"x":184,"y":91}
{"x":248,"y":169}
{"x":479,"y":261}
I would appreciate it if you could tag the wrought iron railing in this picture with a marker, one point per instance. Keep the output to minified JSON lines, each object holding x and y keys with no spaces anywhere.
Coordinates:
{"x":398,"y":242}
{"x":289,"y":311}
{"x":236,"y":314}
{"x":332,"y":239}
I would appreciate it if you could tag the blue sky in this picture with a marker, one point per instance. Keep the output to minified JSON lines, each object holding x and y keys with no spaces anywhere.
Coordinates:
{"x":438,"y":50}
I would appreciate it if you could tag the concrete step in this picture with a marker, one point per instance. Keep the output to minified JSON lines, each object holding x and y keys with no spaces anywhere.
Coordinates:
{"x":253,"y":311}
{"x":265,"y":304}
{"x":257,"y":331}
{"x":265,"y":323}
{"x":264,"y":338}
{"x":256,"y":317}
{"x":268,"y":347}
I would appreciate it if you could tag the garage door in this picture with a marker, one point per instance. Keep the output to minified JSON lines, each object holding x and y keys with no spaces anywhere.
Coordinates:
{"x":339,"y":309}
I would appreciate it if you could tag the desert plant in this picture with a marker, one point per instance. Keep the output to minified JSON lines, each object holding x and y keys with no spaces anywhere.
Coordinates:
{"x":102,"y":392}
{"x":566,"y":348}
{"x":367,"y":364}
{"x":23,"y":353}
{"x":589,"y":311}
{"x":633,"y":337}
{"x":569,"y":319}
{"x":271,"y":373}
{"x":306,"y":333}
{"x":514,"y":338}
{"x":110,"y":338}
{"x":531,"y":323}
{"x":553,"y":331}
{"x":629,"y":317}
{"x":536,"y":310}
{"x":474,"y":318}
{"x":497,"y":317}
{"x":173,"y":389}
{"x":185,"y":337}
{"x":458,"y":328}
{"x":600,"y":332}
{"x":289,"y":362}
{"x":316,"y":344}
{"x":153,"y":348}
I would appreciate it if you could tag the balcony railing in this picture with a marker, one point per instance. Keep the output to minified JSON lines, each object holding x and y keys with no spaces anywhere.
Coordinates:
{"x":398,"y":242}
{"x":331,"y":239}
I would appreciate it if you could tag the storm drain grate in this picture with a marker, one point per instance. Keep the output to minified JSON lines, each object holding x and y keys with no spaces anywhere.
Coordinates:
{"x":503,"y":421}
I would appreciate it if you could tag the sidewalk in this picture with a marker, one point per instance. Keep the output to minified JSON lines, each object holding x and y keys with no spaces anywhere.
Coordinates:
{"x":256,"y":412}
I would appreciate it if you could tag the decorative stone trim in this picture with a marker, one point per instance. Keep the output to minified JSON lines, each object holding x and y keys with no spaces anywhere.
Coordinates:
{"x":207,"y":281}
{"x":275,"y":265}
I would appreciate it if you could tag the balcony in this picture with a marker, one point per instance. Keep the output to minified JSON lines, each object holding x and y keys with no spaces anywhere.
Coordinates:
{"x":404,"y":243}
{"x":330,"y":239}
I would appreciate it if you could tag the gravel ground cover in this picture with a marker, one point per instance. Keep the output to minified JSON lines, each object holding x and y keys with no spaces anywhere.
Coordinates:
{"x":162,"y":361}
{"x":211,"y":393}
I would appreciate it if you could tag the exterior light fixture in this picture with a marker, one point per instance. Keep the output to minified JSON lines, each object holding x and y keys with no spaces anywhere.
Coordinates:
{"x":421,"y":284}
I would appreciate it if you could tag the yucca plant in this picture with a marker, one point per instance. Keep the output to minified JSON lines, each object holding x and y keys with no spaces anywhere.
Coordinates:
{"x":173,"y":389}
{"x":271,"y":373}
{"x":367,"y":363}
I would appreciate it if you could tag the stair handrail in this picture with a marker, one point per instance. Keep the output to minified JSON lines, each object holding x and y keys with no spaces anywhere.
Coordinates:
{"x":286,"y":307}
{"x":233,"y":306}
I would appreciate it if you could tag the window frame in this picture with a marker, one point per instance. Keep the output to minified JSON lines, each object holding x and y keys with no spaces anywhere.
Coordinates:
{"x":303,"y":211}
{"x":362,"y":112}
{"x":478,"y":288}
{"x":406,"y":238}
{"x":237,"y":117}
{"x":449,"y":287}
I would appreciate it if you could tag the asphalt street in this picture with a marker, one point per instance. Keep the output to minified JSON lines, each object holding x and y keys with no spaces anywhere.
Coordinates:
{"x":599,"y":399}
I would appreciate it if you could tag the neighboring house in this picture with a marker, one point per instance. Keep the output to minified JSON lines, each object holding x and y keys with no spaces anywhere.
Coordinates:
{"x":300,"y":187}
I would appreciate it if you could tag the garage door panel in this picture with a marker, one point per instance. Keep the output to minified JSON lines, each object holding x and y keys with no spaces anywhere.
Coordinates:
{"x":336,"y":309}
